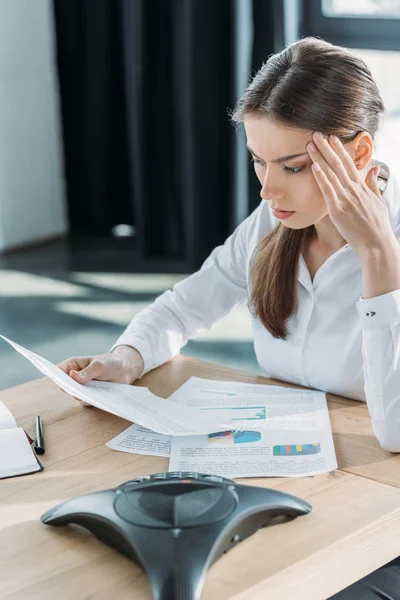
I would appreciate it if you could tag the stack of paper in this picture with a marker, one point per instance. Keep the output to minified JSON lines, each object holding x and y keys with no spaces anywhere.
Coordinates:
{"x":274,"y":431}
{"x":224,"y":428}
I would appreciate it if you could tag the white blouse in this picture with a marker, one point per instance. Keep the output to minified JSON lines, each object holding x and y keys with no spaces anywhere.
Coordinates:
{"x":338,"y":342}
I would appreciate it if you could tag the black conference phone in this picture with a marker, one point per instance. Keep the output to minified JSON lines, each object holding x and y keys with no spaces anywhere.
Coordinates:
{"x":175,"y":525}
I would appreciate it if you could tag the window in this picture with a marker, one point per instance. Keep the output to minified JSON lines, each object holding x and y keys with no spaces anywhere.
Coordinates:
{"x":366,"y":24}
{"x":361,"y":8}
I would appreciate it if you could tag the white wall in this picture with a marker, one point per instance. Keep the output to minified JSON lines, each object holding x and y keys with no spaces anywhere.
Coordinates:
{"x":32,"y":197}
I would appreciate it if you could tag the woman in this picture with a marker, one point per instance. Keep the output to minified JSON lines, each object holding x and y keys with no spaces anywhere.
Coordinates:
{"x":322,"y":280}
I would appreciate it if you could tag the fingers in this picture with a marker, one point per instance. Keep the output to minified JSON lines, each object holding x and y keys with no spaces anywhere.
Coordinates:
{"x":75,"y":398}
{"x":82,"y":402}
{"x":75,"y":363}
{"x":334,"y":158}
{"x":327,"y":189}
{"x":93,"y":371}
{"x":104,"y":367}
{"x":345,"y":157}
{"x":81,"y":369}
{"x":73,"y":367}
{"x":333,"y":171}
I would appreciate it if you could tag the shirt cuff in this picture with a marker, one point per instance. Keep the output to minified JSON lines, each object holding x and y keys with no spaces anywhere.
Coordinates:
{"x":141,"y":346}
{"x":379,"y":311}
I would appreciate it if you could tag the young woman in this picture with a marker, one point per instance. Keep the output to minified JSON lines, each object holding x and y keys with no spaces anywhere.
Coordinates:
{"x":318,"y":261}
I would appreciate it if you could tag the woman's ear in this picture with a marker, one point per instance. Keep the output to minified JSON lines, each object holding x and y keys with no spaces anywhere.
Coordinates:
{"x":361,"y":149}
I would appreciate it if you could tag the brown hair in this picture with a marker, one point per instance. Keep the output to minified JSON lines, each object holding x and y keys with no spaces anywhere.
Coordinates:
{"x":313,"y":85}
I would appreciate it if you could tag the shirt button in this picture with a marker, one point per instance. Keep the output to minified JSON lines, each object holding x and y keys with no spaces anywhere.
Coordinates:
{"x":299,"y":342}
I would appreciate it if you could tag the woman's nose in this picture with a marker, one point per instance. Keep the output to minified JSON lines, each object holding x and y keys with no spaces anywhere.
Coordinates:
{"x":270,"y":190}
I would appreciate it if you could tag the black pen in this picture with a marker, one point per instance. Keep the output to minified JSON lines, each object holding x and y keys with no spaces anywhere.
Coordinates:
{"x":39,"y":441}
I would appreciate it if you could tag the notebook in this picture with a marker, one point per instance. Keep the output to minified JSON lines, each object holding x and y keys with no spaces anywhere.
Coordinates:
{"x":16,"y":454}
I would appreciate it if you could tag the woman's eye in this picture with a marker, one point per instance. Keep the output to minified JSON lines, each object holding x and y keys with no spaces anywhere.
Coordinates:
{"x":290,"y":170}
{"x":293,"y":170}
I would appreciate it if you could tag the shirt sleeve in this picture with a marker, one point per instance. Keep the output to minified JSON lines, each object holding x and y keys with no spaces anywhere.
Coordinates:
{"x":160,"y":331}
{"x":380,"y":318}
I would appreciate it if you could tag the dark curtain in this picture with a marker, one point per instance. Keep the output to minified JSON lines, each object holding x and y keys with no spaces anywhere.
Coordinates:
{"x":268,"y":38}
{"x":145,"y":87}
{"x":89,"y":49}
{"x":178,"y":88}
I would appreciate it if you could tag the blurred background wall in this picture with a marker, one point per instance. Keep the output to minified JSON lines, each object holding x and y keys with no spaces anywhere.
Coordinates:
{"x":32,"y":197}
{"x":119,"y":169}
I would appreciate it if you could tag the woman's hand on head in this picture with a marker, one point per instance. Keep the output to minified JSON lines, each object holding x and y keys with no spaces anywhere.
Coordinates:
{"x":354,"y":202}
{"x":123,"y":365}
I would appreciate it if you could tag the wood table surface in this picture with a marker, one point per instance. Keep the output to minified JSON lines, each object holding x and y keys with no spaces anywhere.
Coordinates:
{"x":353,"y":529}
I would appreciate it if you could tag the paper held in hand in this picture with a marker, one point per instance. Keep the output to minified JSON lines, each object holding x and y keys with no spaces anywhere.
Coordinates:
{"x":134,"y":403}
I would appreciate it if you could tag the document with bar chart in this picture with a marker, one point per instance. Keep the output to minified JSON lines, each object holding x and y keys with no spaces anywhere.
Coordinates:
{"x":275,"y":431}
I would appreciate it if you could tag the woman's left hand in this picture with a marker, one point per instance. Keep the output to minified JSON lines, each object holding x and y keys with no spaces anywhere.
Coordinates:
{"x":354,"y":203}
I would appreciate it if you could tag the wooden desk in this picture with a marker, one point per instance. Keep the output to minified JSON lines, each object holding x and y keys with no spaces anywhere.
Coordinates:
{"x":354,"y":527}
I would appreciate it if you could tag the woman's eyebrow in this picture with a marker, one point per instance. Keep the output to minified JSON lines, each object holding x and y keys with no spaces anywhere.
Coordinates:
{"x":279,"y":160}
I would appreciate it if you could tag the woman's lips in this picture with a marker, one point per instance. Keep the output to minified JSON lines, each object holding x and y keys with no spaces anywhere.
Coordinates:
{"x":283,"y":214}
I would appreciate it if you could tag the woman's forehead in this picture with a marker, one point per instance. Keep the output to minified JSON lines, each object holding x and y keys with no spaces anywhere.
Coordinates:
{"x":275,"y":139}
{"x":261,"y":125}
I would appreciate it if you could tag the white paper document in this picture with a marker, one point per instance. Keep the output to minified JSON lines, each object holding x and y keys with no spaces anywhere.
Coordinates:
{"x":275,"y":431}
{"x":134,"y":403}
{"x":140,"y":440}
